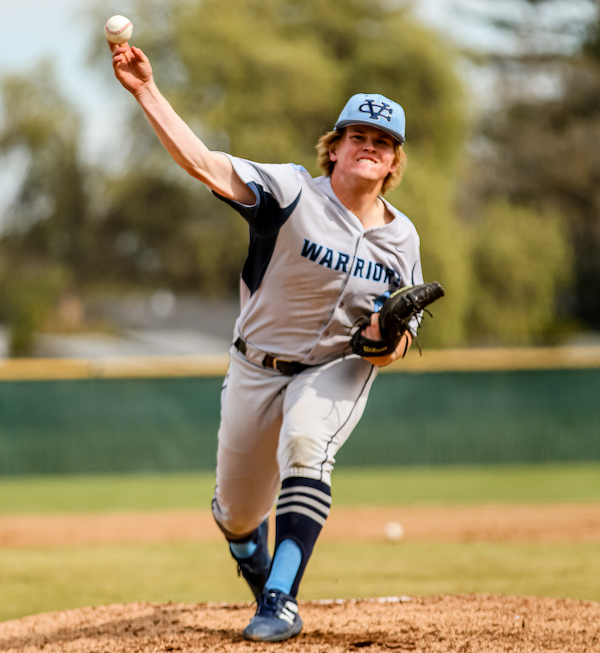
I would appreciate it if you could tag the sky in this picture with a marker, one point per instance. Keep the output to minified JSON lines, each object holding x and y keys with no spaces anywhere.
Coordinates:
{"x":63,"y":31}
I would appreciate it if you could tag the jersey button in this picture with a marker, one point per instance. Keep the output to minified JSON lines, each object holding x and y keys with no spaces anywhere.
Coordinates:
{"x":325,"y":333}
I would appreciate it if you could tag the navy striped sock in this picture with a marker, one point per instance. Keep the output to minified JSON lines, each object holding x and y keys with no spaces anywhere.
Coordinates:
{"x":302,"y":509}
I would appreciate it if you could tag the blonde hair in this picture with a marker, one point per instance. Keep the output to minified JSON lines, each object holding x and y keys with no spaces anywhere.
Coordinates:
{"x":328,"y":142}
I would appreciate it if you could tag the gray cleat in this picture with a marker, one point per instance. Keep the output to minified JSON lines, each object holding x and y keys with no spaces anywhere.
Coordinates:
{"x":276,"y":618}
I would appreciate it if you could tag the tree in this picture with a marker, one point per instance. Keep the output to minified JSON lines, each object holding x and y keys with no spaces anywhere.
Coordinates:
{"x":521,"y":260}
{"x":45,"y":234}
{"x":542,"y":149}
{"x":49,"y":217}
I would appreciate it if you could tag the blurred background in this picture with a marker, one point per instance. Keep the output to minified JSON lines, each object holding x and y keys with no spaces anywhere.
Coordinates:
{"x":108,"y":248}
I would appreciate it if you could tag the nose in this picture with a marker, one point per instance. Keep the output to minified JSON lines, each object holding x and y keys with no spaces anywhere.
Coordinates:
{"x":369,"y":144}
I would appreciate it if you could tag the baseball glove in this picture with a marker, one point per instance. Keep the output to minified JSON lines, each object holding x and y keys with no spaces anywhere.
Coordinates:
{"x":394,"y":319}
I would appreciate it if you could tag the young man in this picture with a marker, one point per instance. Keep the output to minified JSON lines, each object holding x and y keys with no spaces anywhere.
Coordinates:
{"x":324,"y":253}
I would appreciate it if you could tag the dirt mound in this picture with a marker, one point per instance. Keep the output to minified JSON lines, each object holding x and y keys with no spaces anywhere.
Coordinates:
{"x":469,"y":623}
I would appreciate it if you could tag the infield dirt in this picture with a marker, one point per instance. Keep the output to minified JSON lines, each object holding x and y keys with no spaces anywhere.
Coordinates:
{"x":472,"y":623}
{"x":489,"y":523}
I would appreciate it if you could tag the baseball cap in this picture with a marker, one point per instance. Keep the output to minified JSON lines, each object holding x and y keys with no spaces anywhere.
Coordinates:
{"x":375,"y":110}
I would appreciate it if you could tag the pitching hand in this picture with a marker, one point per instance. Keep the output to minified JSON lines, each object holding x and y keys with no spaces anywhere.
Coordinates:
{"x":132,"y":67}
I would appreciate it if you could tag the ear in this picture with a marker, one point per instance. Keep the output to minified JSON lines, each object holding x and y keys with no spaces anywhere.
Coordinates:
{"x":333,"y":155}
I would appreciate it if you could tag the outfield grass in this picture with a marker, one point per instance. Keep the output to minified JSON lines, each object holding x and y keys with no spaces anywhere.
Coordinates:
{"x":56,"y":578}
{"x":352,"y":487}
{"x":40,"y":580}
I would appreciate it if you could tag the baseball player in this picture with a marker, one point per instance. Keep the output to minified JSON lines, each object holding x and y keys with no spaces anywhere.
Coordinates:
{"x":324,"y":255}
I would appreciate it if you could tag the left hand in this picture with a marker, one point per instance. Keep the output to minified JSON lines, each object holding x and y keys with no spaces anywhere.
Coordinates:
{"x":374,"y":332}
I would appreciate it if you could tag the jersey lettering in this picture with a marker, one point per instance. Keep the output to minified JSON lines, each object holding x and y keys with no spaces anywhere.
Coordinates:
{"x":310,"y":250}
{"x":343,"y":260}
{"x":358,"y":268}
{"x":327,"y":259}
{"x":362,"y":269}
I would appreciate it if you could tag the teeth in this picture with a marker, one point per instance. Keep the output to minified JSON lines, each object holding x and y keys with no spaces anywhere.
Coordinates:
{"x":367,"y":161}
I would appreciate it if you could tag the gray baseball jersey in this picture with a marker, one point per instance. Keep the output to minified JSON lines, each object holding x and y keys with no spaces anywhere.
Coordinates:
{"x":312,"y":269}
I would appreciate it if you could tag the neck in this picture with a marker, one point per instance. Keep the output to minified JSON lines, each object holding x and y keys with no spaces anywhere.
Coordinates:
{"x":362,"y":199}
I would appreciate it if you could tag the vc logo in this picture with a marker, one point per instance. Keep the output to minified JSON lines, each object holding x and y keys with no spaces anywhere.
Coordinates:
{"x":376,"y":110}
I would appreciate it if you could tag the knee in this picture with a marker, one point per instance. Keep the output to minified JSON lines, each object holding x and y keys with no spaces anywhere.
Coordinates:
{"x":236,"y":524}
{"x":300,"y":450}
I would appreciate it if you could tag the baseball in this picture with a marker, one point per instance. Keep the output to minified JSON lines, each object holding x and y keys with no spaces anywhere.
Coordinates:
{"x":118,"y":29}
{"x":394,"y":531}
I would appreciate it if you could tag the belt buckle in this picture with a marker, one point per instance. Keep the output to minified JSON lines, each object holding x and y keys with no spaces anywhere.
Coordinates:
{"x":270,"y":362}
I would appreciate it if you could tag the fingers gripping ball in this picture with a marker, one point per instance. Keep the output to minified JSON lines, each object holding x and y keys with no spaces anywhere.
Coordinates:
{"x":118,"y":29}
{"x":395,"y":317}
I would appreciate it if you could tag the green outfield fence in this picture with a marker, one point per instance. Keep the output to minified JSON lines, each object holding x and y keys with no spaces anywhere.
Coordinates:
{"x":162,"y":414}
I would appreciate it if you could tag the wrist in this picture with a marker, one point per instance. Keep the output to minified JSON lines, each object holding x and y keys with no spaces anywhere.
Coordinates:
{"x":146,"y":91}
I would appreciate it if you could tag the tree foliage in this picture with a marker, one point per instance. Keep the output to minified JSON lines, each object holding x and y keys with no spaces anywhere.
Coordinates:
{"x":543,"y":152}
{"x":45,"y":232}
{"x":521,"y":260}
{"x":273,"y":75}
{"x":50,"y":217}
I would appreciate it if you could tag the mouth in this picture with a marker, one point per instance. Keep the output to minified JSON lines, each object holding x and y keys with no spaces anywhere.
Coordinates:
{"x":369,"y":161}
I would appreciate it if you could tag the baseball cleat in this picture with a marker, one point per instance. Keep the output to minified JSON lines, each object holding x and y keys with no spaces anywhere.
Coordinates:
{"x":255,"y":569}
{"x":276,"y":618}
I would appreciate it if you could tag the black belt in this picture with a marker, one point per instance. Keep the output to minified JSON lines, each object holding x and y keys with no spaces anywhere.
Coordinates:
{"x":289,"y":368}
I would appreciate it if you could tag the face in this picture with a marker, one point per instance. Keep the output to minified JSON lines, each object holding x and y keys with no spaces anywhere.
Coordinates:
{"x":364,"y":152}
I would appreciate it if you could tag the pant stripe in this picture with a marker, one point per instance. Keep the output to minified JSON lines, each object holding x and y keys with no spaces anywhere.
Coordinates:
{"x":332,"y":438}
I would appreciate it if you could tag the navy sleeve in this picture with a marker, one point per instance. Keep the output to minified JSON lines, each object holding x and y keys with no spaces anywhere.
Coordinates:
{"x":265,"y":216}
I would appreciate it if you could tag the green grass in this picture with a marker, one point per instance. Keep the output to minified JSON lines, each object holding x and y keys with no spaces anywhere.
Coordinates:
{"x":56,"y":578}
{"x":39,"y":580}
{"x":467,"y":485}
{"x":352,"y":486}
{"x":64,"y":494}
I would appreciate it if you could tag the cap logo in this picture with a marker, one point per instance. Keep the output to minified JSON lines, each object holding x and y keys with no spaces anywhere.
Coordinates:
{"x":376,"y":110}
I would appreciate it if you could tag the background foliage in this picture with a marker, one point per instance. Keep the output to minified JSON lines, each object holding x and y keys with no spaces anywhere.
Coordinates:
{"x":504,"y":200}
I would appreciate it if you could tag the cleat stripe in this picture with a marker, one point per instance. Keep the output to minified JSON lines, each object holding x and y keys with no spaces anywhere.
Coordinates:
{"x":287,"y":617}
{"x":325,"y":498}
{"x":301,"y":510}
{"x":306,"y":502}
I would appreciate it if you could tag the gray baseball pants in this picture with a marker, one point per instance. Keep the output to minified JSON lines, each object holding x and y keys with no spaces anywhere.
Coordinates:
{"x":274,"y":427}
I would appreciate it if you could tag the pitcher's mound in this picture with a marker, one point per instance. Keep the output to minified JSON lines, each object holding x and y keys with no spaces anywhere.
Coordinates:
{"x":467,"y":624}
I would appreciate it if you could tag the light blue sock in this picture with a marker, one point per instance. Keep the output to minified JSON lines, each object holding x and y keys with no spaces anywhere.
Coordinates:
{"x":286,"y":563}
{"x":243,"y":550}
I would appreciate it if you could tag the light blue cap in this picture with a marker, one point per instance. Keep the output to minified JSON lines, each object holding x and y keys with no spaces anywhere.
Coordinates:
{"x":375,"y":110}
